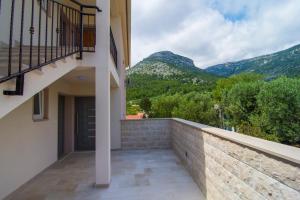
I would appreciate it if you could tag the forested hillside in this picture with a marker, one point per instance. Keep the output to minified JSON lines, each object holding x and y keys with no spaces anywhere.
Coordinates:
{"x":166,"y":73}
{"x":285,"y":63}
{"x":168,"y":85}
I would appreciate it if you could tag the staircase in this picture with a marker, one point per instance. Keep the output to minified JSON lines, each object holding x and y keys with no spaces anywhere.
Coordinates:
{"x":26,"y":69}
{"x":36,"y":58}
{"x":35,"y":81}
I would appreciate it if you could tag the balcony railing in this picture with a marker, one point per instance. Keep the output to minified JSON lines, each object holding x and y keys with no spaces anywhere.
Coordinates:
{"x":42,"y":32}
{"x":113,"y":48}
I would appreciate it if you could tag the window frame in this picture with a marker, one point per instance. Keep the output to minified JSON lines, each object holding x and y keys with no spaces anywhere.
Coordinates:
{"x":43,"y":106}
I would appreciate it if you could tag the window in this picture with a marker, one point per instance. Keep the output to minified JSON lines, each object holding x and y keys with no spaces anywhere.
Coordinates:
{"x":40,"y":106}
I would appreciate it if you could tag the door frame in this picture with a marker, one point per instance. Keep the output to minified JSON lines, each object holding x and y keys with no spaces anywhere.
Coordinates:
{"x":76,"y":122}
{"x":61,"y":120}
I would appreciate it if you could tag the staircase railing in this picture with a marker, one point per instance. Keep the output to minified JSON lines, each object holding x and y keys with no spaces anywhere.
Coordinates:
{"x":42,"y":32}
{"x":113,"y":48}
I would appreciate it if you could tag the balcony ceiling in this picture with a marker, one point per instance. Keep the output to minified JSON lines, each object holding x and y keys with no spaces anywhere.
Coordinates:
{"x":81,"y":75}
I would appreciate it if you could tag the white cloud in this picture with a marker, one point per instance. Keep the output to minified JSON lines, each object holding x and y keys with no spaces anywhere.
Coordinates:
{"x":214,"y":31}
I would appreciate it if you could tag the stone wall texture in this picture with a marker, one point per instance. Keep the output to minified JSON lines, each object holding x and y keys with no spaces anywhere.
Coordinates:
{"x":222,"y":168}
{"x":146,"y":134}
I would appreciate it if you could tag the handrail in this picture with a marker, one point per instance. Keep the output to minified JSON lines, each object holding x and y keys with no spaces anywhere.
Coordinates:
{"x":113,"y":48}
{"x":56,"y":31}
{"x":86,"y":5}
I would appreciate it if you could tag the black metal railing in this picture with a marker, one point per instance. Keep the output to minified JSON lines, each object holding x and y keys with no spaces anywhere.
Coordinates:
{"x":87,"y":28}
{"x":113,"y":48}
{"x":48,"y":31}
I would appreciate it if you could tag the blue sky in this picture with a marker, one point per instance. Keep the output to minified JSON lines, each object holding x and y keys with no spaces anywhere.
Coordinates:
{"x":214,"y":31}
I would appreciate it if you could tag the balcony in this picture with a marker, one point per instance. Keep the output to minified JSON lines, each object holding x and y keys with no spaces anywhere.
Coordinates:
{"x":176,"y":159}
{"x":39,"y":33}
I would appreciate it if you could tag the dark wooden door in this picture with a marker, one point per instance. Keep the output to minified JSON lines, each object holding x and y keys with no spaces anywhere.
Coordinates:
{"x":61,"y":126}
{"x":85,"y":124}
{"x":89,"y":36}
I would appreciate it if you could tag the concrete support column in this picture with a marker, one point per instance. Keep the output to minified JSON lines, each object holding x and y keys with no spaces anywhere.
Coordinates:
{"x":103,"y":145}
{"x":115,"y":108}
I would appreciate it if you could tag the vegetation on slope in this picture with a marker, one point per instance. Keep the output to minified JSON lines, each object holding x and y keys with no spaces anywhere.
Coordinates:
{"x":269,"y":110}
{"x":283,"y":63}
{"x":248,"y":103}
{"x":166,"y":73}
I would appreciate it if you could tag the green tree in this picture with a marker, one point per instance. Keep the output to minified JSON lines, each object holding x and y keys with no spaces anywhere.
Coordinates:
{"x":223,"y":86}
{"x":279,"y":103}
{"x":197,"y":107}
{"x":145,"y":105}
{"x":163,"y":106}
{"x":221,"y":94}
{"x":242,"y":111}
{"x":241,"y":102}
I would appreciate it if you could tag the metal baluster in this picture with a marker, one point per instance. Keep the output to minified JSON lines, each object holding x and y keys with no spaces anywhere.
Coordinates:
{"x":39,"y":39}
{"x":21,"y":36}
{"x":65,"y":32}
{"x":57,"y":28}
{"x":46,"y":36}
{"x":69,"y":21}
{"x":72,"y":31}
{"x":81,"y":33}
{"x":89,"y":31}
{"x":69,"y":31}
{"x":52,"y":19}
{"x":76,"y":29}
{"x":61,"y":31}
{"x":11,"y":35}
{"x":31,"y":30}
{"x":94,"y":33}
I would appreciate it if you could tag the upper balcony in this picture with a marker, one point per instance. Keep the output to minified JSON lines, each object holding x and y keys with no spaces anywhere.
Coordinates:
{"x":38,"y":33}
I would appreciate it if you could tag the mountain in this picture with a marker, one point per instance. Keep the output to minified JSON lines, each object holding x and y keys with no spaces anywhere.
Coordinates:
{"x":168,"y":65}
{"x":166,"y":73}
{"x":286,"y":62}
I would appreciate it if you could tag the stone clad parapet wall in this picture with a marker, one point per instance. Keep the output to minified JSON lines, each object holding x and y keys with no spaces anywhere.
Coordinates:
{"x":225,"y":165}
{"x":146,"y":134}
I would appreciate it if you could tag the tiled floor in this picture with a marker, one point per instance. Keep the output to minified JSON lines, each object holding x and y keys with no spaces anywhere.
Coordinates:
{"x":136,"y":175}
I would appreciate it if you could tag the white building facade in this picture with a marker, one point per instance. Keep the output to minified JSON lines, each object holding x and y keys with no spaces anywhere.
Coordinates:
{"x":55,"y":102}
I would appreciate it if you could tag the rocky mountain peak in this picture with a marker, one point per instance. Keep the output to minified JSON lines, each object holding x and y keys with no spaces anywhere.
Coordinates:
{"x":172,"y":58}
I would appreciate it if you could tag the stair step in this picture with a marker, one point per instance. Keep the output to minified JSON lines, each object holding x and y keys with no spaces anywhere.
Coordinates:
{"x":14,"y":69}
{"x":25,"y":59}
{"x":34,"y":51}
{"x":25,"y":63}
